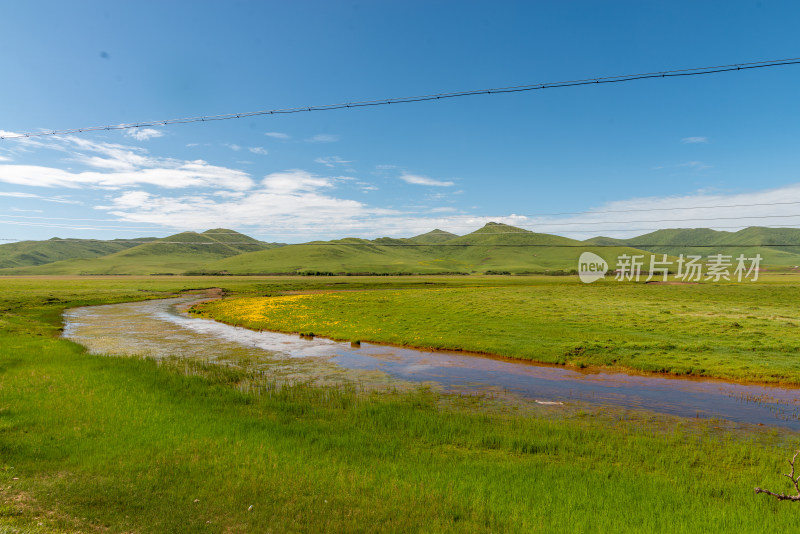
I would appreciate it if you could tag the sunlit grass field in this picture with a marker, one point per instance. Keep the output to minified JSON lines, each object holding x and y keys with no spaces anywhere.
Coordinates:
{"x":93,"y":443}
{"x":744,"y":331}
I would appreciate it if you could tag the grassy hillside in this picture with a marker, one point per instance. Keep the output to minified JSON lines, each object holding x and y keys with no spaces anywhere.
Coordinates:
{"x":27,"y":253}
{"x":495,"y":248}
{"x":175,"y":254}
{"x":783,"y":249}
{"x":343,"y":255}
{"x":434,"y":236}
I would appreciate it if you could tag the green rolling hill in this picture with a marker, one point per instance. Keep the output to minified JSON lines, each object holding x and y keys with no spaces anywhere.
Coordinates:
{"x":28,"y":253}
{"x":432,"y":237}
{"x":494,"y":248}
{"x":783,"y":249}
{"x":175,"y":254}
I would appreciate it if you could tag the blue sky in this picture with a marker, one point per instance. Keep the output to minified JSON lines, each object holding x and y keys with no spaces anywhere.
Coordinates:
{"x":717,"y":140}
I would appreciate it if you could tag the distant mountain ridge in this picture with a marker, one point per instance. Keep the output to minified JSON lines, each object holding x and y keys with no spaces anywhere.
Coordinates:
{"x":493,"y":248}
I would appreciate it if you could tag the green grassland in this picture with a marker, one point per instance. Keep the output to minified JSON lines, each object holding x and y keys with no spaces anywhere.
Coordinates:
{"x":92,"y":443}
{"x":744,"y":331}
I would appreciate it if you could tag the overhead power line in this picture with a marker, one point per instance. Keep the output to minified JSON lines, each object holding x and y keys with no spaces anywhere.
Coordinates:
{"x":438,"y":245}
{"x":697,"y":71}
{"x":372,"y":243}
{"x":559,"y":228}
{"x":300,"y":230}
{"x":451,"y":217}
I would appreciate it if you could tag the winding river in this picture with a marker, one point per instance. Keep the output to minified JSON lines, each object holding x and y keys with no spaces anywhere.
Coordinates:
{"x":159,"y":329}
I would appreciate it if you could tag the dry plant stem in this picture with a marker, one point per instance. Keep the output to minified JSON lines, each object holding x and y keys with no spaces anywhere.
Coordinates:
{"x":791,"y":476}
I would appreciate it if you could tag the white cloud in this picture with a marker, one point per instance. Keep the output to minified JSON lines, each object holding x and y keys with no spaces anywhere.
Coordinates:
{"x":385,"y":167}
{"x":323,"y":138}
{"x":258,"y":150}
{"x":332,"y":161}
{"x":278,"y":204}
{"x":5,"y":158}
{"x":692,"y":140}
{"x":424,"y":180}
{"x":118,"y":166}
{"x":233,"y":146}
{"x":143,"y":134}
{"x":294,"y":181}
{"x":186,"y":174}
{"x":277,"y":135}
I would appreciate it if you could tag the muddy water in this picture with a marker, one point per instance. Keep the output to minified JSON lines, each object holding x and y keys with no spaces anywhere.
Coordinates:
{"x":159,"y":329}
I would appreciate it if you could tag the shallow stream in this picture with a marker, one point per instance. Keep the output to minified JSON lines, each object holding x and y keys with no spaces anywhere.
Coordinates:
{"x":158,"y":328}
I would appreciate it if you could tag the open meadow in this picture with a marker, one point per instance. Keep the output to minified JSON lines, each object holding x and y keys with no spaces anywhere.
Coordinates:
{"x":96,"y":443}
{"x":743,"y":331}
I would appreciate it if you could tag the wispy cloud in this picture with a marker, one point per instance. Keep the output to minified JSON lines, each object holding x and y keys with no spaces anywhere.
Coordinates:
{"x":233,"y":146}
{"x":692,"y":140}
{"x":696,"y":165}
{"x":19,"y":210}
{"x":59,"y":200}
{"x":5,"y":158}
{"x":143,"y":134}
{"x":417,"y":179}
{"x":332,"y":161}
{"x":258,"y":150}
{"x":18,"y":195}
{"x":323,"y":138}
{"x":277,"y":135}
{"x":366,"y":186}
{"x":294,"y":181}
